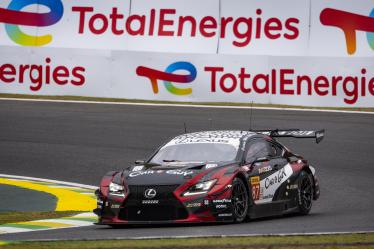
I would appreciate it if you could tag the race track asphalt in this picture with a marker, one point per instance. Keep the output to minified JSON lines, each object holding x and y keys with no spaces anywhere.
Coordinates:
{"x":80,"y":142}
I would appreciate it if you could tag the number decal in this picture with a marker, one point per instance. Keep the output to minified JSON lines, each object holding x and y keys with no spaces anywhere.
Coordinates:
{"x":255,"y":183}
{"x":256,"y":192}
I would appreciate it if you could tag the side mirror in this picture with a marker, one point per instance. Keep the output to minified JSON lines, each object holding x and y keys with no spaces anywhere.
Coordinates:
{"x":137,"y":162}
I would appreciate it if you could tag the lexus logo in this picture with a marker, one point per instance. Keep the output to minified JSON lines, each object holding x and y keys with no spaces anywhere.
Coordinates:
{"x":150,"y":193}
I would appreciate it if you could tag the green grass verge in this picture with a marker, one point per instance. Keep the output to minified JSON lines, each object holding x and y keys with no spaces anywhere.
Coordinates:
{"x":11,"y":217}
{"x":114,"y":100}
{"x":286,"y":242}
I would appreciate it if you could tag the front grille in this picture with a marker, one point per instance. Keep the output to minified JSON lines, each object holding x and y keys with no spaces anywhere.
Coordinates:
{"x":167,"y":208}
{"x":164,"y":192}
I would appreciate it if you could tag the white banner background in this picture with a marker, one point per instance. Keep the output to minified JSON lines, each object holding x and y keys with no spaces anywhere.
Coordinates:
{"x":309,"y":36}
{"x":113,"y":74}
{"x":110,"y":60}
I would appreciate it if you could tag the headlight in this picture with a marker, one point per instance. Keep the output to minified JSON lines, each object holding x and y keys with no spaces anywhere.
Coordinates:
{"x":116,"y":189}
{"x":200,"y":188}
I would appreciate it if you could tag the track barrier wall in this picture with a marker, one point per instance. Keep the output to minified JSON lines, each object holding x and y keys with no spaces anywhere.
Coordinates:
{"x":294,"y":52}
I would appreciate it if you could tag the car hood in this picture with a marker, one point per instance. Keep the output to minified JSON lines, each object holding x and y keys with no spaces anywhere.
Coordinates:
{"x":169,"y":173}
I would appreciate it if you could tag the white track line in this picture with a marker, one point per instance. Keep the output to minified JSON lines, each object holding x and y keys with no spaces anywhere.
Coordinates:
{"x":207,"y":236}
{"x":72,"y":222}
{"x":86,"y":214}
{"x":50,"y":181}
{"x":240,"y":235}
{"x":186,"y":105}
{"x":14,"y":230}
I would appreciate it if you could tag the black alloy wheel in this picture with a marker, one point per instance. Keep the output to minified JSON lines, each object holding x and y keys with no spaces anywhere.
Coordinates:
{"x":305,"y":193}
{"x":239,"y":200}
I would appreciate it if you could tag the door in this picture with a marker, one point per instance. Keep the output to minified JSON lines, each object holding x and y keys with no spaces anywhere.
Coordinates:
{"x":268,"y":169}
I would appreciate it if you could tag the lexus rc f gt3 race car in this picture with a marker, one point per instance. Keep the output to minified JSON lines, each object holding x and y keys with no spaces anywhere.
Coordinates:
{"x":211,"y":176}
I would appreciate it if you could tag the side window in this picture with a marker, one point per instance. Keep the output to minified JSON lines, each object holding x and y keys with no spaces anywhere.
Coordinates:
{"x":258,"y":148}
{"x":276,"y":150}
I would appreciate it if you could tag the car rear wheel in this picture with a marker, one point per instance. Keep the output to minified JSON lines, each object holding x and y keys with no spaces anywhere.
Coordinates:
{"x":305,"y":193}
{"x":239,"y":200}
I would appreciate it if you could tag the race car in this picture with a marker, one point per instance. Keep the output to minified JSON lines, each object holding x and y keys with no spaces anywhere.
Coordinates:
{"x":211,"y":176}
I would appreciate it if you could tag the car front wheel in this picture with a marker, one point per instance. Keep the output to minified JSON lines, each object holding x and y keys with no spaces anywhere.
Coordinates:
{"x":239,"y":200}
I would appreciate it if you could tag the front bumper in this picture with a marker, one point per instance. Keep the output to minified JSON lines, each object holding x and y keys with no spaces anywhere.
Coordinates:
{"x":169,"y":209}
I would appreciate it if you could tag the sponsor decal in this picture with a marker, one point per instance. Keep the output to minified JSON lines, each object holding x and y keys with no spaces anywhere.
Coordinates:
{"x":221,"y":206}
{"x":255,"y":180}
{"x":350,"y":23}
{"x":264,"y":169}
{"x":146,"y":202}
{"x":150,"y":193}
{"x":99,"y":203}
{"x":181,"y":164}
{"x":194,"y":205}
{"x":169,"y":172}
{"x":226,"y":137}
{"x":211,"y":165}
{"x":255,"y":183}
{"x":13,"y":17}
{"x":179,"y":172}
{"x":169,"y":77}
{"x":276,"y":178}
{"x":225,"y":215}
{"x":206,"y":202}
{"x":268,"y":196}
{"x":293,"y":186}
{"x":44,"y":74}
{"x":137,"y":168}
{"x":115,"y":206}
{"x":202,"y":140}
{"x":222,"y":201}
{"x":319,"y":134}
{"x":140,"y":173}
{"x":287,"y":82}
{"x":166,"y":23}
{"x":270,"y":184}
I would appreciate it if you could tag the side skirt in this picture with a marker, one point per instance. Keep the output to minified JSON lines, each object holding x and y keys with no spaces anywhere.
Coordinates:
{"x":271,"y":209}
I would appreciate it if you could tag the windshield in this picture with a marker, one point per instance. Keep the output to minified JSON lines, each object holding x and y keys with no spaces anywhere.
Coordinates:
{"x":201,"y":152}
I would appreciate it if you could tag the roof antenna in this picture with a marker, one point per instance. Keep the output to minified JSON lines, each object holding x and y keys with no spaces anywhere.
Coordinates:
{"x":185,"y":128}
{"x":250,"y":117}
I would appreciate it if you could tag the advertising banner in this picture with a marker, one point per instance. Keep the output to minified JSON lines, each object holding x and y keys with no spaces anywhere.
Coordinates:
{"x":264,"y":27}
{"x":307,"y":81}
{"x":267,"y":27}
{"x":295,"y":52}
{"x":342,"y":28}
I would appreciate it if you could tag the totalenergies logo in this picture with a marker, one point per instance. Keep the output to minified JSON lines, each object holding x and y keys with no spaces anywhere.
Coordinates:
{"x":349,"y":23}
{"x":169,"y":78}
{"x":13,"y":17}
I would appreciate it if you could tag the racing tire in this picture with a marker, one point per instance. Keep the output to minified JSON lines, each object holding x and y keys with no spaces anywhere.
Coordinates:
{"x":305,"y":193}
{"x":239,"y":200}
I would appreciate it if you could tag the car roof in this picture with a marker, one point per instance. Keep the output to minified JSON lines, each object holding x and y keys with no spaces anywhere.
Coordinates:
{"x":231,"y":137}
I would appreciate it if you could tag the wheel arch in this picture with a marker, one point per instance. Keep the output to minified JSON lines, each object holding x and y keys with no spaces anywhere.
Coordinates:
{"x":245,"y":181}
{"x":242,"y":177}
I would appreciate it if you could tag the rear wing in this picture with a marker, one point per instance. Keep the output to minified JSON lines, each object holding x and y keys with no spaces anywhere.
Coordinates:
{"x":296,"y":133}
